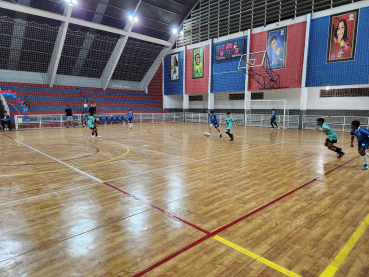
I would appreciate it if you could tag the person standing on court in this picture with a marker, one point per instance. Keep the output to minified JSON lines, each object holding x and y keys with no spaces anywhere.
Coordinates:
{"x":85,"y":107}
{"x":69,"y":116}
{"x":92,"y":109}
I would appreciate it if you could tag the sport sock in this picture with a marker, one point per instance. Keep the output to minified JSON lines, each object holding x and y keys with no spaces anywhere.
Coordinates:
{"x":365,"y":159}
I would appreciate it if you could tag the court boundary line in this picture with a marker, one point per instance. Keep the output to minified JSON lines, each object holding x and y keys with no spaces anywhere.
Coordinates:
{"x":105,"y":183}
{"x":128,"y":176}
{"x":256,"y":257}
{"x":175,"y":254}
{"x":346,"y":249}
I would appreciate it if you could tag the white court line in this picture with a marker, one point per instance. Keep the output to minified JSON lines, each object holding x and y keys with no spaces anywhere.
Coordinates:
{"x":128,"y":176}
{"x":163,"y":153}
{"x":75,"y":169}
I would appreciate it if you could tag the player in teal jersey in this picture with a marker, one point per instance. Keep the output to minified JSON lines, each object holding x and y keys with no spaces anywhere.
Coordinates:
{"x":332,"y":137}
{"x":229,"y":121}
{"x":92,"y":125}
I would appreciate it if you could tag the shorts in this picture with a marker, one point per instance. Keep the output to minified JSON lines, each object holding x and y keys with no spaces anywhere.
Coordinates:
{"x":228,"y":130}
{"x":93,"y":128}
{"x":69,"y":118}
{"x":130,"y":120}
{"x":331,"y":140}
{"x":363,"y":144}
{"x":215,"y":124}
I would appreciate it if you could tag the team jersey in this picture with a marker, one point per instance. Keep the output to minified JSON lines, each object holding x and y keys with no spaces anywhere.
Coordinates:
{"x":361,"y":136}
{"x":83,"y":117}
{"x":229,"y":122}
{"x":91,"y":122}
{"x":129,"y":115}
{"x":330,"y":133}
{"x":274,"y":115}
{"x":213,"y":119}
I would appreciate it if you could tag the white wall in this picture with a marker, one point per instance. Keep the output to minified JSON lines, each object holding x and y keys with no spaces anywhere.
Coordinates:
{"x":314,"y":102}
{"x":173,"y":101}
{"x":221,"y":101}
{"x":199,"y":104}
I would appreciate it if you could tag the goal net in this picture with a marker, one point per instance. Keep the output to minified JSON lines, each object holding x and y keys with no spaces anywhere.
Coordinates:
{"x":258,"y":113}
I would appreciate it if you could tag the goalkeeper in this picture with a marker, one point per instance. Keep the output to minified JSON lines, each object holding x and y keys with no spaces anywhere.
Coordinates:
{"x":362,"y":136}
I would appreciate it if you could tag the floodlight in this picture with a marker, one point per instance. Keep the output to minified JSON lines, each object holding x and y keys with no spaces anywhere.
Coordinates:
{"x":174,"y":29}
{"x":181,"y":33}
{"x":327,"y":88}
{"x":68,"y":1}
{"x":74,"y":2}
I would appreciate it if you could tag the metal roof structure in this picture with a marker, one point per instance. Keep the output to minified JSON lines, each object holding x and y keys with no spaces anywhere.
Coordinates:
{"x":93,"y":38}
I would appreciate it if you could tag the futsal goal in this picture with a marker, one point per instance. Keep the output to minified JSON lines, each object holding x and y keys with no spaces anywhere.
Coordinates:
{"x":258,"y":113}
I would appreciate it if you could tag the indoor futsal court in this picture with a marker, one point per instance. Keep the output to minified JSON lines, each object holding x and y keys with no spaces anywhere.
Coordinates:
{"x":184,"y":138}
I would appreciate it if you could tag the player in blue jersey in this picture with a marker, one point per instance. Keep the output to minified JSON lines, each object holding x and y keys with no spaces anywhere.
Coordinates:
{"x":213,"y":122}
{"x":130,"y":119}
{"x":84,"y":119}
{"x":331,"y":139}
{"x":273,"y":119}
{"x":362,"y":136}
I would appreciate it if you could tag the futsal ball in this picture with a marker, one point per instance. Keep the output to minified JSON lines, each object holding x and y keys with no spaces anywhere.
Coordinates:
{"x":206,"y":134}
{"x":97,"y":119}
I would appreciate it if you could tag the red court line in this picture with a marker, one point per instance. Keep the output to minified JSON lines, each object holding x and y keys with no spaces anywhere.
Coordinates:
{"x":159,"y":209}
{"x":209,"y":235}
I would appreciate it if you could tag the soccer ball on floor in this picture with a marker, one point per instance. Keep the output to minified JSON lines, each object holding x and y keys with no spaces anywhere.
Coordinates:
{"x":206,"y":134}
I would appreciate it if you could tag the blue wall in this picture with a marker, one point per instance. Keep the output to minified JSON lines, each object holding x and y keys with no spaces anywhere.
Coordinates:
{"x":320,"y":73}
{"x":173,"y":87}
{"x":225,"y":74}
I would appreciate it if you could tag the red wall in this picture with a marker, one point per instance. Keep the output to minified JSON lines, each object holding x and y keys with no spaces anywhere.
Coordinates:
{"x":201,"y":85}
{"x":290,"y":76}
{"x":155,"y":88}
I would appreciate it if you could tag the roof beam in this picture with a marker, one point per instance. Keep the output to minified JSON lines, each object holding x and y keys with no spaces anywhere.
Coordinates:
{"x":63,"y":18}
{"x":154,"y":67}
{"x":58,"y":47}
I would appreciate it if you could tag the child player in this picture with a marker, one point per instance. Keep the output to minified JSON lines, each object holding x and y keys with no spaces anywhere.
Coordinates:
{"x":213,"y":122}
{"x":84,"y":119}
{"x":130,"y":119}
{"x":229,"y":121}
{"x":273,"y":119}
{"x":332,"y":137}
{"x":92,"y":125}
{"x":362,"y":136}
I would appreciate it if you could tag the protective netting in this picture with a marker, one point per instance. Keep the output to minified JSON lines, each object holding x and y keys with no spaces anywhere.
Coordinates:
{"x":85,"y":54}
{"x":26,"y":46}
{"x":136,"y":60}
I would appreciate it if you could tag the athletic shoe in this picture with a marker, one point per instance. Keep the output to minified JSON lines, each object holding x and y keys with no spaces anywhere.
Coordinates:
{"x":231,"y":139}
{"x":220,"y":135}
{"x":67,"y":126}
{"x":365,"y":167}
{"x":92,"y":136}
{"x":341,"y":154}
{"x":272,"y":129}
{"x":98,"y":136}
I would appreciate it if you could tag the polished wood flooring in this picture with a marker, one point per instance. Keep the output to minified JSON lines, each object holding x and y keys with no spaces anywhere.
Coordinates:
{"x":150,"y":201}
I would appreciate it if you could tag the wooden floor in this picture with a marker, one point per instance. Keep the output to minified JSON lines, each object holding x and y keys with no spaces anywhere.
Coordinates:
{"x":164,"y":200}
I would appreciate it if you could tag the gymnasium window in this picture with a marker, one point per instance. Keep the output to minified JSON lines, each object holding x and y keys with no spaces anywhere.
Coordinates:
{"x":345,"y":92}
{"x":237,"y":96}
{"x":257,"y":95}
{"x":195,"y":98}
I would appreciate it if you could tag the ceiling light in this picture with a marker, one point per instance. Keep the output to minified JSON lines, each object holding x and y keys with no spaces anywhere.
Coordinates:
{"x":174,"y":29}
{"x":74,"y":2}
{"x":181,"y":33}
{"x":327,"y":88}
{"x":68,"y":1}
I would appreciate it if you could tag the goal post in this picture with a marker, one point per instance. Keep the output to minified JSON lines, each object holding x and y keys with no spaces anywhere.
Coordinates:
{"x":258,"y":112}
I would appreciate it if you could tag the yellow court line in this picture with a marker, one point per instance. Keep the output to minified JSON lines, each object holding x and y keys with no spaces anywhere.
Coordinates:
{"x":65,"y":169}
{"x":257,"y":257}
{"x":346,"y":249}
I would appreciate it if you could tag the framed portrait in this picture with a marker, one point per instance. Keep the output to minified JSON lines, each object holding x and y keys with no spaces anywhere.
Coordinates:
{"x":276,"y":48}
{"x":342,"y":36}
{"x":174,"y":67}
{"x":198,"y":63}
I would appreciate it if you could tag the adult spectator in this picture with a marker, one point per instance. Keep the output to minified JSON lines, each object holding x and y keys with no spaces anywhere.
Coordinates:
{"x":27,"y":102}
{"x":92,"y":109}
{"x":6,"y":120}
{"x":85,"y":107}
{"x":69,"y":116}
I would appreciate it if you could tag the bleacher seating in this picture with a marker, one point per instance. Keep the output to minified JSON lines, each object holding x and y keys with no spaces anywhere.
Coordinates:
{"x":46,"y":100}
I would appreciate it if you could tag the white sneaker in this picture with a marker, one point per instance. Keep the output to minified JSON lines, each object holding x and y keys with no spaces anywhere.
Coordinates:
{"x":272,"y":129}
{"x":92,"y":136}
{"x":98,"y":136}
